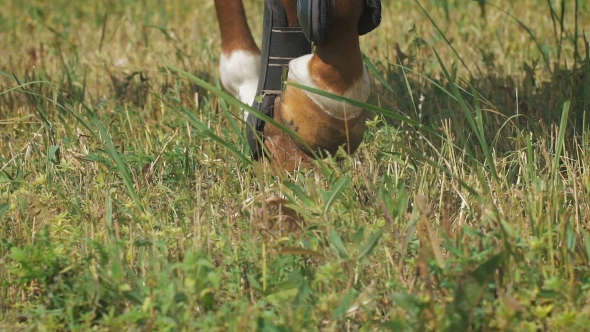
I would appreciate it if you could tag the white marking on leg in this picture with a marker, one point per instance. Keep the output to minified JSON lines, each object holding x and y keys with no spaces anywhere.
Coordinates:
{"x":359,"y":91}
{"x":239,"y":75}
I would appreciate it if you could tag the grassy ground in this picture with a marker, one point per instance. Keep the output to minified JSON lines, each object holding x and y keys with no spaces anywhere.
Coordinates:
{"x":128,"y":201}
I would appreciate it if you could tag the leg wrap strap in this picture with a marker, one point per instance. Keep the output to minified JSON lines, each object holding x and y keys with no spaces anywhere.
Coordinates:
{"x":281,"y":44}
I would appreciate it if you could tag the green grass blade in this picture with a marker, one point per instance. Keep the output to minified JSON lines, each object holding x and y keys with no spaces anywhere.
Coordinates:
{"x":123,"y":172}
{"x":336,"y":192}
{"x":299,"y":193}
{"x":478,"y":131}
{"x":375,"y":72}
{"x":371,"y":244}
{"x":192,"y":119}
{"x":336,"y":243}
{"x":586,"y":69}
{"x":224,"y":108}
{"x":482,"y":134}
{"x":559,"y":144}
{"x":365,"y":106}
{"x":4,"y":207}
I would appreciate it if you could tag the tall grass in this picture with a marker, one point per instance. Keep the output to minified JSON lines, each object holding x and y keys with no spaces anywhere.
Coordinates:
{"x":129,"y":201}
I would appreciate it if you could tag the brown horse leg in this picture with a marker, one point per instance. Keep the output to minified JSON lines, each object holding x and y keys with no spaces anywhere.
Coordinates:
{"x":239,"y":65}
{"x":323,"y":124}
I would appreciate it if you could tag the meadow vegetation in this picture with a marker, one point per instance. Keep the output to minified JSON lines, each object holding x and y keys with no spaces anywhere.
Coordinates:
{"x":128,"y":200}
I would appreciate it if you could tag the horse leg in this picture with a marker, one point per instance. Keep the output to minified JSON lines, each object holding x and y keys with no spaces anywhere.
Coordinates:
{"x":239,"y":65}
{"x":322,"y":124}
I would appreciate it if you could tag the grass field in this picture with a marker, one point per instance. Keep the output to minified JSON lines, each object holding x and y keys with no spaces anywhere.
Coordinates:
{"x":128,"y":201}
